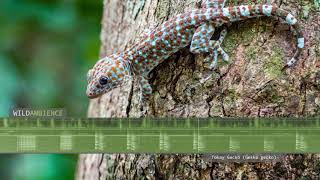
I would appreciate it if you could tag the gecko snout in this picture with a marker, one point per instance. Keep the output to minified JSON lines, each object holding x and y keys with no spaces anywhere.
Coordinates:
{"x":91,"y":95}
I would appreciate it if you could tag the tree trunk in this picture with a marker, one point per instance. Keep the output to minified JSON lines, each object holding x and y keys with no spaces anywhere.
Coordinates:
{"x":251,"y":85}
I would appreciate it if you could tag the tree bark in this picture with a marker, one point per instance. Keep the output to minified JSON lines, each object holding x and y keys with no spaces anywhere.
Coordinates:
{"x":251,"y":85}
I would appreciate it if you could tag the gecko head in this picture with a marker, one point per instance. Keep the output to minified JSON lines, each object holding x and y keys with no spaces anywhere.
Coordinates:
{"x":107,"y":74}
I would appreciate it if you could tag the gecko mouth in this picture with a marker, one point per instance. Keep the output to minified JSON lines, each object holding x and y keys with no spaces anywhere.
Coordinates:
{"x":92,"y":96}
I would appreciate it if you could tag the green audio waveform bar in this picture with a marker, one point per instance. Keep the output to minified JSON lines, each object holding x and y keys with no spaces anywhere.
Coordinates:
{"x":160,"y":135}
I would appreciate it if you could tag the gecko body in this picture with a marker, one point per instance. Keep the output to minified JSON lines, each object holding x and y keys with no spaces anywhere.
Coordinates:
{"x":193,"y":28}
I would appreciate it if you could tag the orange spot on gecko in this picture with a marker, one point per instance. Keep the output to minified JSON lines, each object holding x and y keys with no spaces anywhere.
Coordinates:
{"x":114,"y":69}
{"x":152,"y":36}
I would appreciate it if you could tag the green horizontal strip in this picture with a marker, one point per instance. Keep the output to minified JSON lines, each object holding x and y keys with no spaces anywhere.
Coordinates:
{"x":168,"y":135}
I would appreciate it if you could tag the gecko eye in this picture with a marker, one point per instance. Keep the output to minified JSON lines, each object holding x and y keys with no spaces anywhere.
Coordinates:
{"x":103,"y":80}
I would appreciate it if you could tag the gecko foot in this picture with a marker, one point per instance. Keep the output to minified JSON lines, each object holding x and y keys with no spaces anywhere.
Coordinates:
{"x":216,"y":49}
{"x":213,"y":58}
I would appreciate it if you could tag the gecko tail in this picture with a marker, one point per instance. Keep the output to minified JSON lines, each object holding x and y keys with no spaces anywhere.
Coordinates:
{"x":273,"y":10}
{"x":291,"y":20}
{"x":250,"y":11}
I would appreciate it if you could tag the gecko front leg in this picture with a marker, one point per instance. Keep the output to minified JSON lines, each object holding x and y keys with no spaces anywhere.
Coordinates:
{"x":145,"y":92}
{"x":201,"y":43}
{"x":216,"y":45}
{"x":204,"y":34}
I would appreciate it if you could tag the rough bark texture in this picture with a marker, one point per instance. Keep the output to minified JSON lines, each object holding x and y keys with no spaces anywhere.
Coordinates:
{"x":251,"y":85}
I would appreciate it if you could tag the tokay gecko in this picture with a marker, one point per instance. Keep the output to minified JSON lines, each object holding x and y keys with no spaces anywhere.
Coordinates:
{"x":193,"y":28}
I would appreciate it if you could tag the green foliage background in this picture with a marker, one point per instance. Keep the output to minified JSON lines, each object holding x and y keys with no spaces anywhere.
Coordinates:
{"x":46,"y":48}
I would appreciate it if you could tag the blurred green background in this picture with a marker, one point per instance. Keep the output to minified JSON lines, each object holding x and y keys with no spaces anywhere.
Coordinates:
{"x":46,"y":48}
